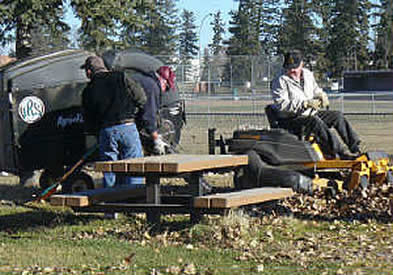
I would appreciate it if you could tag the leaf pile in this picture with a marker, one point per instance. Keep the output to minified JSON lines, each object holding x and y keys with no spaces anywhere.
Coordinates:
{"x":362,"y":205}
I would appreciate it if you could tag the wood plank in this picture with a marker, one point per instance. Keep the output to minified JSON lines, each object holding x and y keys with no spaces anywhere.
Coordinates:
{"x":90,"y":197}
{"x":249,"y":196}
{"x":129,"y":165}
{"x":153,"y":163}
{"x":203,"y":201}
{"x":77,"y":200}
{"x":120,"y":166}
{"x":173,"y":163}
{"x":69,"y":200}
{"x":189,"y":163}
{"x":103,"y":166}
{"x":136,"y":165}
{"x":58,"y":200}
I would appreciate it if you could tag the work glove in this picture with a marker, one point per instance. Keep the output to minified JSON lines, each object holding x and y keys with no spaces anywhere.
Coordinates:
{"x":160,"y":146}
{"x":312,"y":103}
{"x":323,"y":97}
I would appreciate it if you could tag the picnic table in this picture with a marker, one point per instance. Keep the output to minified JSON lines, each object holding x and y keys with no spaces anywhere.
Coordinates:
{"x":153,"y":168}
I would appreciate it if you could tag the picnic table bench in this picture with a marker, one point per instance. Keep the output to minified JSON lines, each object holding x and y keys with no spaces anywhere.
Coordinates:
{"x":154,"y":203}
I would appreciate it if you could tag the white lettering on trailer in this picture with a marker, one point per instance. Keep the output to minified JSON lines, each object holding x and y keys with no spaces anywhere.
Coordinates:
{"x":63,"y":122}
{"x":31,"y":109}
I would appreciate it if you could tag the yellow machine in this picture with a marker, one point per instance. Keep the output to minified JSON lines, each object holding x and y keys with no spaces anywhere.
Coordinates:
{"x":369,"y":168}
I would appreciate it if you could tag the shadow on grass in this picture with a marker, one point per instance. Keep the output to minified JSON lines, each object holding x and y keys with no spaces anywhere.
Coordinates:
{"x":275,"y":208}
{"x":12,"y":191}
{"x":362,"y":217}
{"x":37,"y":218}
{"x":17,"y":213}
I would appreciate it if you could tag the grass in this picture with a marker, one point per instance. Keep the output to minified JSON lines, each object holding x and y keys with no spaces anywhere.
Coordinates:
{"x":40,"y":239}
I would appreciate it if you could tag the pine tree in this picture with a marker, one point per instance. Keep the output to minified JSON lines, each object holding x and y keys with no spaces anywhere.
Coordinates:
{"x":160,"y":37}
{"x":348,"y":37}
{"x":297,"y":29}
{"x":383,"y":56}
{"x":271,"y":11}
{"x":244,"y":40}
{"x":218,"y":32}
{"x":214,"y":63}
{"x":188,"y":39}
{"x":103,"y":22}
{"x":30,"y":21}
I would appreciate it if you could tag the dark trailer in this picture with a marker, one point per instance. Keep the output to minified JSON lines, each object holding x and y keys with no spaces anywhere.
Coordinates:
{"x":41,"y":122}
{"x":368,"y":81}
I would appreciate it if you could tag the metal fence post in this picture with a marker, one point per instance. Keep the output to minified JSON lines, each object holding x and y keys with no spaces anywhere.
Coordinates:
{"x":342,"y":103}
{"x":373,"y":103}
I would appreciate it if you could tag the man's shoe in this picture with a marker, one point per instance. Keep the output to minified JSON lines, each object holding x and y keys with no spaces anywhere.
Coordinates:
{"x":303,"y":185}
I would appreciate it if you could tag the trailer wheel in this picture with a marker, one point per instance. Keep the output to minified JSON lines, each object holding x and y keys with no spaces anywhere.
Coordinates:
{"x":78,"y":183}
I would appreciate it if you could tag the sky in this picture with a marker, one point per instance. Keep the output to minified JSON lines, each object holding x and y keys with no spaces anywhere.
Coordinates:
{"x":201,"y":10}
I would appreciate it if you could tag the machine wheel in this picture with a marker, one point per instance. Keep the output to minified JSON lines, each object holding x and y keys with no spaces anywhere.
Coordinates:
{"x":49,"y":177}
{"x":168,"y":131}
{"x":78,"y":183}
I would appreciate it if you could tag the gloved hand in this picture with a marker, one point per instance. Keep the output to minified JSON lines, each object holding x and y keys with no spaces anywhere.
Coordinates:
{"x":312,"y":103}
{"x":323,"y":97}
{"x":160,"y":146}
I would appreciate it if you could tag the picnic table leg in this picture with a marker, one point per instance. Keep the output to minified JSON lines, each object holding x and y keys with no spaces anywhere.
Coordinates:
{"x":153,"y":196}
{"x":195,"y":182}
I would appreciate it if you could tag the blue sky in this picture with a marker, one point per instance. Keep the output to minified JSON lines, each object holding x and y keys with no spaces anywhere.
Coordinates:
{"x":201,"y":8}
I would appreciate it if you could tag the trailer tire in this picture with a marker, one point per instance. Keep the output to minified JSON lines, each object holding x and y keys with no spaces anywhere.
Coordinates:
{"x":78,"y":183}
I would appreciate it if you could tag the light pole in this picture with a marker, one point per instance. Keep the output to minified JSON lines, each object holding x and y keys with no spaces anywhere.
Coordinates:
{"x":200,"y":65}
{"x":200,"y":30}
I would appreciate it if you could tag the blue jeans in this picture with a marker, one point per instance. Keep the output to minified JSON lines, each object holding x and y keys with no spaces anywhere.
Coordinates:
{"x":120,"y":142}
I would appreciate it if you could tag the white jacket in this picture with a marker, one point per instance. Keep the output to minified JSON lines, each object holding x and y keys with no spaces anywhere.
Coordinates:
{"x":288,"y":94}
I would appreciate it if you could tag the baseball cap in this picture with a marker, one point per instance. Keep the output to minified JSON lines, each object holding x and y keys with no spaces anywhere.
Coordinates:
{"x":95,"y":63}
{"x":292,"y":59}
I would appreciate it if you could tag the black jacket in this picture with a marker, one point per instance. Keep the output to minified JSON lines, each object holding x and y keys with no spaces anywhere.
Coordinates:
{"x":151,"y":85}
{"x":111,"y":98}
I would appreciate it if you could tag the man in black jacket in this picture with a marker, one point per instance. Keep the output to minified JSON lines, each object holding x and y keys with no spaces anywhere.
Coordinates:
{"x":110,"y":103}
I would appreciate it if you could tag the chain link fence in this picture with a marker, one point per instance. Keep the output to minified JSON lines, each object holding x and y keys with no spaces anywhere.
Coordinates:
{"x":229,"y":93}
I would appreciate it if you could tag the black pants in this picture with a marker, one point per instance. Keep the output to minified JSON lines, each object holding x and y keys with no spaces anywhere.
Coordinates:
{"x":260,"y":174}
{"x":319,"y":125}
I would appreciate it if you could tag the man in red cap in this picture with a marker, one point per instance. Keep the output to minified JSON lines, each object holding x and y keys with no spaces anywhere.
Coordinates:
{"x":154,"y":83}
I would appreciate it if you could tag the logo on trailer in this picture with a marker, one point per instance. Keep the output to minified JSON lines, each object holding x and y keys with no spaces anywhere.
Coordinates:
{"x":31,"y":109}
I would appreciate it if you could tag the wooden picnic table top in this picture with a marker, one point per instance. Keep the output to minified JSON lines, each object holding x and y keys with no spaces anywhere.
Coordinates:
{"x":173,"y":163}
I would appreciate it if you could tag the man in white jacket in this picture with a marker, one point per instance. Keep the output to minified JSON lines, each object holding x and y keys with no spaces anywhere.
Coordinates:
{"x":297,"y":101}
